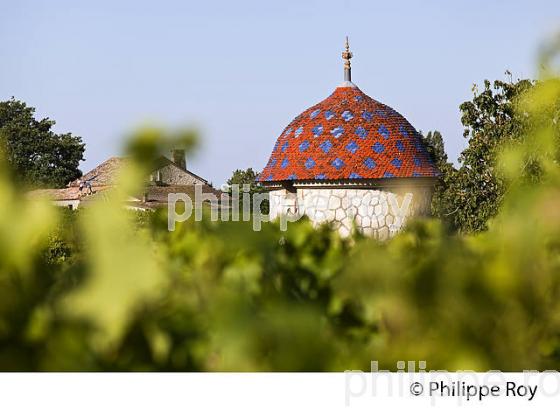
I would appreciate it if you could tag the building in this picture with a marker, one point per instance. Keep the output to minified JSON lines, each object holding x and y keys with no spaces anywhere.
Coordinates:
{"x":167,"y":176}
{"x":352,"y":161}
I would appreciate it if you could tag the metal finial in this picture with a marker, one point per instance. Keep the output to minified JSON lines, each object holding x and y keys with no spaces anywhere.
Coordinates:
{"x":347,"y":55}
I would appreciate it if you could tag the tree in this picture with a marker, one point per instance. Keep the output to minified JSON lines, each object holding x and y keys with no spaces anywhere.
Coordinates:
{"x":441,"y":204}
{"x":241,"y":177}
{"x":38,"y":157}
{"x":473,"y":194}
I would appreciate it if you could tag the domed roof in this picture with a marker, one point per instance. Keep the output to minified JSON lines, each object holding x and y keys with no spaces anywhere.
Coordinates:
{"x":349,"y":135}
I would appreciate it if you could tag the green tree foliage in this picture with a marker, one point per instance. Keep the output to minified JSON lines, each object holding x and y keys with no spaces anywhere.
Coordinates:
{"x":38,"y":157}
{"x":442,"y":205}
{"x":241,"y":177}
{"x":248,"y":177}
{"x":474,"y":193}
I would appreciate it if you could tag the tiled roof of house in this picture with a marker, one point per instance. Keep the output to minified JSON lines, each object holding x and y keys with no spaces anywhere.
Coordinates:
{"x":104,"y":174}
{"x":349,"y":135}
{"x":63,"y":194}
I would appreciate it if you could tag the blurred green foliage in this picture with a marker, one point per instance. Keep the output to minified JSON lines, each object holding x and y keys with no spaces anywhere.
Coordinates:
{"x":105,"y":289}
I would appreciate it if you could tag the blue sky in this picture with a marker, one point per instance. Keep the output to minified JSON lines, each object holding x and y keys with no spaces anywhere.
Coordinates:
{"x":241,"y":70}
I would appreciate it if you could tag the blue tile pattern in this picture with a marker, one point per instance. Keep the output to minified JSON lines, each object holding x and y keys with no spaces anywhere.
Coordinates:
{"x":352,"y":147}
{"x":326,"y":146}
{"x":317,"y":130}
{"x":378,"y":147}
{"x":303,"y":146}
{"x":347,"y":115}
{"x":338,"y":163}
{"x":370,"y":163}
{"x":337,"y":132}
{"x":309,"y":163}
{"x":361,"y":132}
{"x":384,"y":132}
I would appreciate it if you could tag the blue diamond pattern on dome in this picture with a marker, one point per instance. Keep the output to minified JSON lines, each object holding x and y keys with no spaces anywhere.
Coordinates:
{"x":337,"y":132}
{"x":326,"y":146}
{"x":292,"y":177}
{"x":349,"y":135}
{"x":370,"y":163}
{"x":347,"y":115}
{"x":403,"y":131}
{"x":269,"y":178}
{"x":338,"y":163}
{"x":317,"y":130}
{"x":378,"y":147}
{"x":368,"y":116}
{"x":352,"y":147}
{"x":383,"y":131}
{"x":361,"y":132}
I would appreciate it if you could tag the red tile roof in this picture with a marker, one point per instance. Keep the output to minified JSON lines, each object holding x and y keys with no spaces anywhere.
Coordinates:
{"x":349,"y":135}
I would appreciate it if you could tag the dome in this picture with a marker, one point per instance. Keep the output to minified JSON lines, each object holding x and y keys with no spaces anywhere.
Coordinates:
{"x":349,"y":135}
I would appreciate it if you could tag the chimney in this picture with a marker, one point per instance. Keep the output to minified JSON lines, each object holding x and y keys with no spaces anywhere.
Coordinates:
{"x":179,"y":158}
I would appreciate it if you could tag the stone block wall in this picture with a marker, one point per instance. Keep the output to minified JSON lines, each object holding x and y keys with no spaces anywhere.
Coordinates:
{"x":379,"y":213}
{"x":172,"y":175}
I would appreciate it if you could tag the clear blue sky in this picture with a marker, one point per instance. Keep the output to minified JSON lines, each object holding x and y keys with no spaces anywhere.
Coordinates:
{"x":241,"y":70}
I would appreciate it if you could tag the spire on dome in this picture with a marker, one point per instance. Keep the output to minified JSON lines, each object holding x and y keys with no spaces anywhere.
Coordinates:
{"x":347,"y":55}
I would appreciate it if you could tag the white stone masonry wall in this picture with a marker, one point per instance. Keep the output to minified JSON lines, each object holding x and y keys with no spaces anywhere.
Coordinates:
{"x":377,"y":213}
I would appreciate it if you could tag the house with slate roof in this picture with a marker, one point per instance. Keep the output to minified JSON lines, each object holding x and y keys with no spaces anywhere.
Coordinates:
{"x":352,"y":161}
{"x":167,"y":176}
